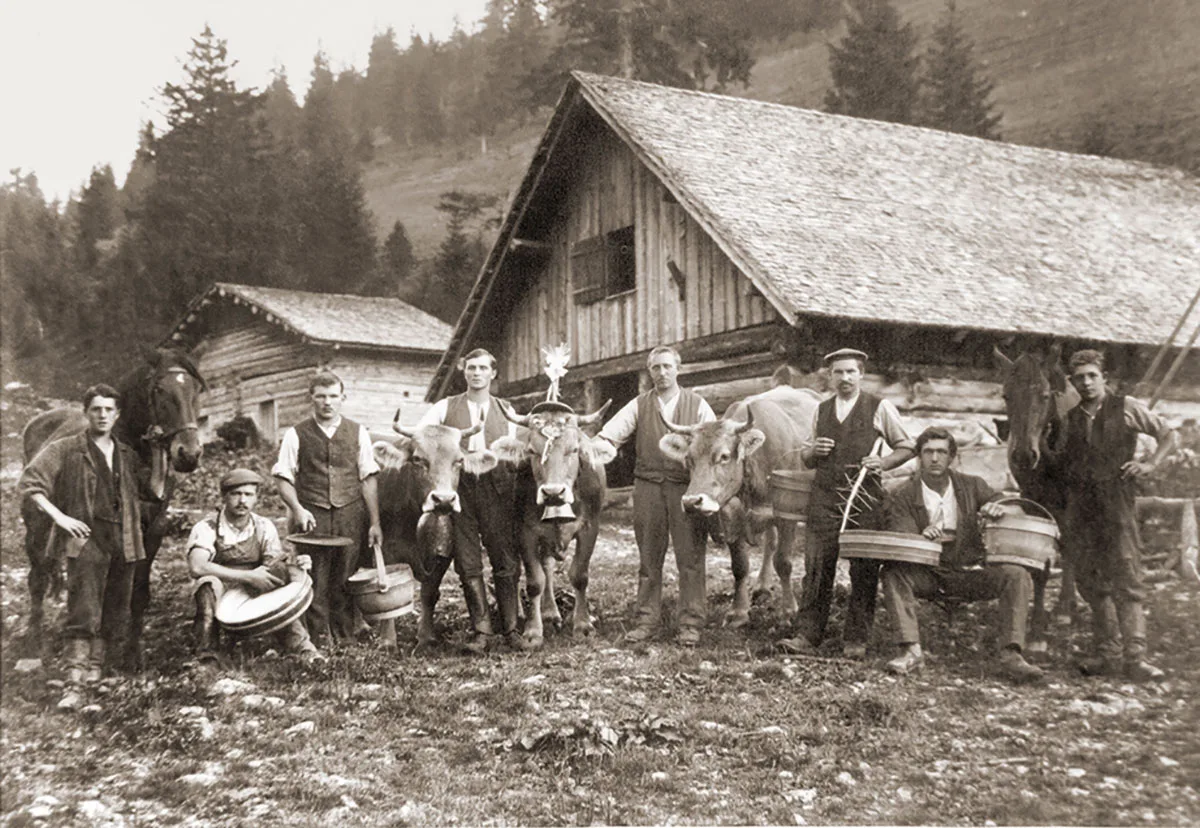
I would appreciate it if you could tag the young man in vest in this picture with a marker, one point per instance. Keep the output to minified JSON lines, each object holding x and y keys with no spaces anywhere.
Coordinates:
{"x":88,"y":485}
{"x":326,"y":474}
{"x":487,"y":519}
{"x":944,"y":505}
{"x":238,"y":547}
{"x":844,"y":431}
{"x":658,"y":487}
{"x":1102,"y":528}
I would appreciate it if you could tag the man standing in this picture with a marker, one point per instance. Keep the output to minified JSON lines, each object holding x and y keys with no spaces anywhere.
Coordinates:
{"x":658,"y":487}
{"x":487,"y":519}
{"x":327,"y":478}
{"x":237,"y":547}
{"x":87,"y":484}
{"x":944,"y":505}
{"x":1102,"y":529}
{"x":845,"y":429}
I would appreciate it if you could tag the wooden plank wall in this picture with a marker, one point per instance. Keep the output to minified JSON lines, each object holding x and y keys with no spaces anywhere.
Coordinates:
{"x":378,"y":384}
{"x":613,"y":190}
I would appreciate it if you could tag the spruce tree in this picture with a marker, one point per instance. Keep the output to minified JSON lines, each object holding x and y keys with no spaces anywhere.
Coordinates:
{"x":398,"y":262}
{"x":874,"y":68}
{"x":957,"y":97}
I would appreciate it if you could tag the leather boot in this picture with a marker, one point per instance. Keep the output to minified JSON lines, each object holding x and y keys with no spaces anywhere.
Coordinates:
{"x":1106,"y":641}
{"x":75,"y":660}
{"x":206,"y":625}
{"x":475,"y":594}
{"x":95,"y":667}
{"x":508,"y":598}
{"x":1133,"y":636}
{"x":430,"y":592}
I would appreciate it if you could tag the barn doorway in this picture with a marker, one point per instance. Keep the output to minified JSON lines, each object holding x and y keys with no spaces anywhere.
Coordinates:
{"x":620,"y":388}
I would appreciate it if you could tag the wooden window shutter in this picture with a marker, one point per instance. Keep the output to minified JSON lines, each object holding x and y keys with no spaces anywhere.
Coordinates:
{"x":588,"y":260}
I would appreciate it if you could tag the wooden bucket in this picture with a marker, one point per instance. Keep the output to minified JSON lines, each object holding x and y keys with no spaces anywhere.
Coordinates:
{"x":382,"y":592}
{"x":1025,"y":540}
{"x":248,"y":615}
{"x":790,"y":489}
{"x":889,"y":546}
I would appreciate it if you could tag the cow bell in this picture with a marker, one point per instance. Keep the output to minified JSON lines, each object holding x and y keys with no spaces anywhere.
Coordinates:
{"x":559,"y":512}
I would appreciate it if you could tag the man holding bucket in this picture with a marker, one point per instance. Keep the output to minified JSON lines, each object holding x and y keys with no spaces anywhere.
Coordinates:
{"x":847,"y":431}
{"x":236,"y":547}
{"x":944,"y":505}
{"x":1102,"y":528}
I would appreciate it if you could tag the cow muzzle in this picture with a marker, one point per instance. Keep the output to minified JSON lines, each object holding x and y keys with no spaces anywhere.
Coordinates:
{"x":441,"y":503}
{"x":700,"y":504}
{"x":555,"y":494}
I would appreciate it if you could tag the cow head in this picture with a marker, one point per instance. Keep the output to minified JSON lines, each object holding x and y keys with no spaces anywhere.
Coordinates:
{"x":555,"y":447}
{"x":435,"y":455}
{"x":715,"y":454}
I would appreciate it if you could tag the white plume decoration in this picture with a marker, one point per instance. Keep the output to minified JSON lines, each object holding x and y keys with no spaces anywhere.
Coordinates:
{"x":555,"y":359}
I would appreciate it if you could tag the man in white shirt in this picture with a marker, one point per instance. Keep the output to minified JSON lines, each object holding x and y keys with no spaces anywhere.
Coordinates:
{"x":487,"y":518}
{"x":659,"y":485}
{"x":944,"y":505}
{"x":326,"y":474}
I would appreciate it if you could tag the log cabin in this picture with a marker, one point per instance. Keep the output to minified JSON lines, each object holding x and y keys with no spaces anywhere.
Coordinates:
{"x":257,"y":348}
{"x":751,"y":234}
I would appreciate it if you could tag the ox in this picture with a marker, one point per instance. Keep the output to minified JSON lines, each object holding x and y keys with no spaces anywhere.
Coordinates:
{"x":560,"y":491}
{"x":418,"y":495}
{"x":729,"y":461}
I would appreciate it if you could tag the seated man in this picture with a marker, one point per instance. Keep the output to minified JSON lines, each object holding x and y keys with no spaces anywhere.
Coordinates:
{"x":943,"y":505}
{"x":236,"y":546}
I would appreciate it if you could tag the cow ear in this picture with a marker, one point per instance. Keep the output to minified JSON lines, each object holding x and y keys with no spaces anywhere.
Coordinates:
{"x":751,"y":442}
{"x":511,"y":450}
{"x":392,"y":455}
{"x":675,"y":446}
{"x":602,"y":451}
{"x":479,"y":462}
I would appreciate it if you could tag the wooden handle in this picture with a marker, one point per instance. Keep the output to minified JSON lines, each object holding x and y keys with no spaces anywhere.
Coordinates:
{"x":380,"y":568}
{"x":862,"y":473}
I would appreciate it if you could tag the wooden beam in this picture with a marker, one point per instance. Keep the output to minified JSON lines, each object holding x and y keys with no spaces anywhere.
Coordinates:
{"x":529,"y":246}
{"x":679,"y":278}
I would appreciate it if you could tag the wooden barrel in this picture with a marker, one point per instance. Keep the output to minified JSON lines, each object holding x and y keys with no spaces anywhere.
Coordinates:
{"x":1025,"y":540}
{"x":377,"y":603}
{"x":889,"y":546}
{"x":249,"y":615}
{"x":790,"y":489}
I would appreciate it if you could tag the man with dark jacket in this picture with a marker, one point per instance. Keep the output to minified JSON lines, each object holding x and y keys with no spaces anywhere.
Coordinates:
{"x":944,"y":505}
{"x":1102,"y":527}
{"x":88,"y":485}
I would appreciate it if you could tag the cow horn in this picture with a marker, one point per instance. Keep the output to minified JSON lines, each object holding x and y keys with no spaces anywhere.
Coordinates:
{"x":512,"y":416}
{"x":475,"y":429}
{"x":672,"y":427}
{"x":739,"y":428}
{"x":396,"y":426}
{"x":594,"y":417}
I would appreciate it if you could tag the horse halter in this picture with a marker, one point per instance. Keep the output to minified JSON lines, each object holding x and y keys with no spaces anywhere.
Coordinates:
{"x":156,"y":433}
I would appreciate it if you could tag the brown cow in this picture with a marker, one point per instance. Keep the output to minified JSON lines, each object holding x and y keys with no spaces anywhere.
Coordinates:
{"x":560,"y":492}
{"x":418,"y":495}
{"x":729,"y":461}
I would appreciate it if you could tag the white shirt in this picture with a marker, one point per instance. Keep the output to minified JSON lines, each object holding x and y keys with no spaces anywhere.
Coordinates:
{"x":436,"y":415}
{"x":289,"y":452}
{"x":624,"y":423}
{"x":203,"y":537}
{"x":942,"y":508}
{"x":886,"y":422}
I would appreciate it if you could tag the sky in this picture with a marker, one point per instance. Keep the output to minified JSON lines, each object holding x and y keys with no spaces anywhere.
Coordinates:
{"x":79,"y":78}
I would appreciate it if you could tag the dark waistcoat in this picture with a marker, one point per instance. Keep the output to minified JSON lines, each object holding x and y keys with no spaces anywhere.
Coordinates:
{"x":458,"y":415}
{"x":651,"y":463}
{"x":328,"y":466}
{"x":1110,"y":446}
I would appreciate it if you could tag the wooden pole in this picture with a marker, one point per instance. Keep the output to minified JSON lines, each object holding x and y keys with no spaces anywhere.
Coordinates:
{"x":1162,"y":350}
{"x":1174,"y":369}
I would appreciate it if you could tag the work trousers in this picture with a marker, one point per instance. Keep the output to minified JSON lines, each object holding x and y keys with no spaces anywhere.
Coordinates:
{"x":99,"y":588}
{"x":903,"y":583}
{"x":816,"y":598}
{"x":332,"y":612}
{"x":659,"y":519}
{"x":487,"y":521}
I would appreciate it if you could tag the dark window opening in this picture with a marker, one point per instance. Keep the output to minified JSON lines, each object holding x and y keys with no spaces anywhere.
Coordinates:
{"x":622,"y":261}
{"x":620,"y":388}
{"x":604,"y":266}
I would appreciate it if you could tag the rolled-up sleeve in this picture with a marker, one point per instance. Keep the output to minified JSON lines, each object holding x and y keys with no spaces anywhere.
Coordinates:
{"x":289,"y":456}
{"x":623,"y":424}
{"x":436,"y":415}
{"x":705,"y":413}
{"x":366,"y":455}
{"x":204,"y":538}
{"x":888,"y":423}
{"x":272,"y":549}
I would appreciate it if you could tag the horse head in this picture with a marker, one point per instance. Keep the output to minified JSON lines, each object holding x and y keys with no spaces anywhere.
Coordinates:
{"x":1036,"y":399}
{"x":160,"y":407}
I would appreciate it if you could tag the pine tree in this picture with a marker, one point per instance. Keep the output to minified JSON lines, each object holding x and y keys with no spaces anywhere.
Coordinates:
{"x":957,"y":97}
{"x":874,"y":68}
{"x":398,"y":262}
{"x":516,"y":54}
{"x":281,"y":110}
{"x":97,"y":217}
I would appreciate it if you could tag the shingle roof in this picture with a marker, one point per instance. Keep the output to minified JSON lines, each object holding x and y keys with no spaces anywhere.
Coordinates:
{"x":333,"y":318}
{"x":842,"y":216}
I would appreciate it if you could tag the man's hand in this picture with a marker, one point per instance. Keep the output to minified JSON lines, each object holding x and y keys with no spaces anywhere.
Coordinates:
{"x":375,"y":535}
{"x":993,"y":511}
{"x":823,"y":446}
{"x":305,"y":520}
{"x":262,"y":580}
{"x":74,"y":528}
{"x":1134,"y":469}
{"x":872,"y":462}
{"x":304,"y":562}
{"x":933,"y":532}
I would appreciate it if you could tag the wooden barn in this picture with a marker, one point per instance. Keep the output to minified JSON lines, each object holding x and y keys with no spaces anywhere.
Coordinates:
{"x":258,"y":346}
{"x":749,"y":234}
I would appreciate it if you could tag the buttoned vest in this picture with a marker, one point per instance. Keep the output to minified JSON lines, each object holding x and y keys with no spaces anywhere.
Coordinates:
{"x":327,"y":474}
{"x":1111,"y":445}
{"x":651,"y":463}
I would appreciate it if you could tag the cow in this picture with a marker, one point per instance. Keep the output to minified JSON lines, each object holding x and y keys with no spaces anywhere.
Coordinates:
{"x":729,"y":461}
{"x":418,"y":496}
{"x":560,"y":492}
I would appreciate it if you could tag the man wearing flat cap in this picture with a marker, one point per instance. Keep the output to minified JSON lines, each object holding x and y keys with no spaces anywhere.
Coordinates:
{"x":844,"y":433}
{"x":238,"y":547}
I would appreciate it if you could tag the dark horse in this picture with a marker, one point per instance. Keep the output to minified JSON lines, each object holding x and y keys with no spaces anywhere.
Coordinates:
{"x":1037,"y":398}
{"x":158,"y":402}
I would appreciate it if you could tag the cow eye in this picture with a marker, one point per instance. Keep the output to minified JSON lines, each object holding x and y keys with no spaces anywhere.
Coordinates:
{"x":723,"y":458}
{"x":458,"y":464}
{"x":421,"y":461}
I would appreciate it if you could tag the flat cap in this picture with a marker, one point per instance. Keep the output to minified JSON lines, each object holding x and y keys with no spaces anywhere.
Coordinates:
{"x":239,"y":477}
{"x":845,"y":353}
